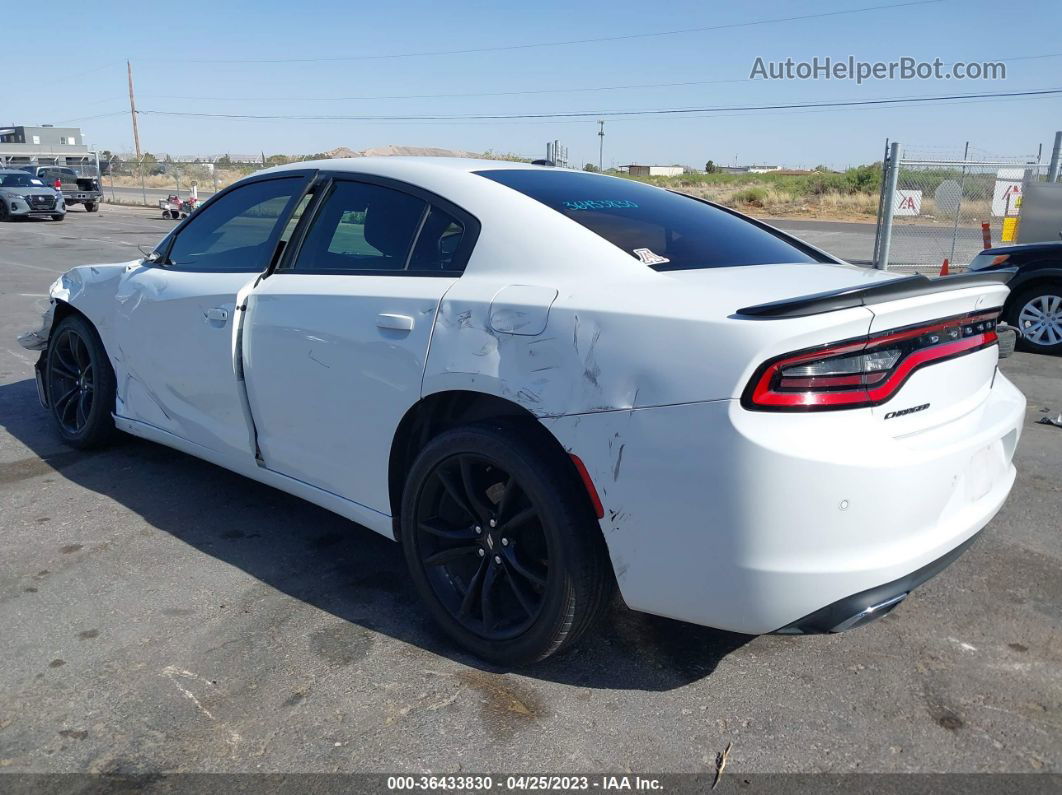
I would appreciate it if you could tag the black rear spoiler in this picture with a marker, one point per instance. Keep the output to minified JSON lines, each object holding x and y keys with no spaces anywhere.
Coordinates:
{"x":848,"y":297}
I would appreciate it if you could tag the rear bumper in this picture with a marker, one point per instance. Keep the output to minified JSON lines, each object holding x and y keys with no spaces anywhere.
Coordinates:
{"x":751,"y":522}
{"x":860,"y":609}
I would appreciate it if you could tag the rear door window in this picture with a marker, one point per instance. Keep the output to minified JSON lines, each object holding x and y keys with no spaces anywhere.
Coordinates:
{"x":362,"y":227}
{"x":661,"y":229}
{"x":438,"y":243}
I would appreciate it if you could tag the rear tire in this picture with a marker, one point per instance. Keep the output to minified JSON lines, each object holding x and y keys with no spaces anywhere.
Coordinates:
{"x":1037,"y":314}
{"x":91,"y":207}
{"x":80,"y":384}
{"x":528,"y":585}
{"x":59,"y":216}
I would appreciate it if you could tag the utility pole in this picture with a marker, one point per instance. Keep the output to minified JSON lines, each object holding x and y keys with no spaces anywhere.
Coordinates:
{"x":601,"y":145}
{"x":132,"y":110}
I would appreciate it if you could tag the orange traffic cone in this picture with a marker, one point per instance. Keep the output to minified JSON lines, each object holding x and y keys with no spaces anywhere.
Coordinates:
{"x":944,"y":268}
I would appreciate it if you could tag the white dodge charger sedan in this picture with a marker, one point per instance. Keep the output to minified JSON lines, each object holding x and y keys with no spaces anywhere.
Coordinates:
{"x":545,"y":383}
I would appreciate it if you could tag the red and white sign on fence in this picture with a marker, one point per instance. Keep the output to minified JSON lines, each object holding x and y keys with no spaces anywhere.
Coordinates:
{"x":907,"y":202}
{"x":1006,"y":195}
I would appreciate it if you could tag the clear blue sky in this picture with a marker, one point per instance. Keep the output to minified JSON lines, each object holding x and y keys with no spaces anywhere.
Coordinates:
{"x":167,"y":43}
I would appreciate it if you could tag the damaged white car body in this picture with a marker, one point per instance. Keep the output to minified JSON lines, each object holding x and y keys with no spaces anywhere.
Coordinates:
{"x":539,"y":385}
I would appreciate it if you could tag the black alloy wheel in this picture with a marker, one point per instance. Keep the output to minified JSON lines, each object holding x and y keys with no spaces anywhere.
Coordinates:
{"x":80,"y":383}
{"x":483,"y":546}
{"x":501,"y":541}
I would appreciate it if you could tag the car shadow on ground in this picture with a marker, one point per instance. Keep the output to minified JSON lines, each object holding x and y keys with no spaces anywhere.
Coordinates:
{"x":329,"y":562}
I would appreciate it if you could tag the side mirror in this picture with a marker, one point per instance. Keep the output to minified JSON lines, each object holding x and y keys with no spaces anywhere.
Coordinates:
{"x":151,"y":257}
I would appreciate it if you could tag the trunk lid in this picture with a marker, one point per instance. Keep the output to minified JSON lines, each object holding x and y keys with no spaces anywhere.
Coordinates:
{"x":943,"y":390}
{"x":756,"y":284}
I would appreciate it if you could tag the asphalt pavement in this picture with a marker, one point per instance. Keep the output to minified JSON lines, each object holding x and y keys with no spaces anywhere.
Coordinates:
{"x":158,"y":613}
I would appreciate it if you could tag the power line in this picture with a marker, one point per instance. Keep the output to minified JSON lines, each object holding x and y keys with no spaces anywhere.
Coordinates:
{"x":526,"y":92}
{"x":476,"y":94}
{"x":568,"y":42}
{"x":580,"y":114}
{"x":707,"y":115}
{"x":452,"y":96}
{"x":80,"y":73}
{"x":88,"y":118}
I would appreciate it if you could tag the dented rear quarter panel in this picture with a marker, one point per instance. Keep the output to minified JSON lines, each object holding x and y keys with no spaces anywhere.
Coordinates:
{"x":632,"y":340}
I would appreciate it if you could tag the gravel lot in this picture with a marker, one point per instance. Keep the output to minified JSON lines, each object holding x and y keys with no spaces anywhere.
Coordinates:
{"x":160,"y":614}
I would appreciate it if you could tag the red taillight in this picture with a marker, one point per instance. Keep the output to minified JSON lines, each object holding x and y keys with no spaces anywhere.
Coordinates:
{"x":866,"y":371}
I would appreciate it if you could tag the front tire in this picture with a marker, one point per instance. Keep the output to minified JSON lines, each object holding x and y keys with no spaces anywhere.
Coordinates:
{"x":59,"y":216}
{"x":80,"y":384}
{"x":1037,"y":314}
{"x":502,"y":544}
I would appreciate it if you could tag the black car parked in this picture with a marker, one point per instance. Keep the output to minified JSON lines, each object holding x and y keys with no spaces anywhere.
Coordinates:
{"x":1035,"y":303}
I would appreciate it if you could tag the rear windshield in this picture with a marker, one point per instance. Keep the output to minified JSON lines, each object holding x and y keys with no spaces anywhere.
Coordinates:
{"x":664,"y":230}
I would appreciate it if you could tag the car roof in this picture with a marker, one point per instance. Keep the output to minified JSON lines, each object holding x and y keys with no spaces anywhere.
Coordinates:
{"x":508,"y":218}
{"x":407,"y":164}
{"x":450,"y":177}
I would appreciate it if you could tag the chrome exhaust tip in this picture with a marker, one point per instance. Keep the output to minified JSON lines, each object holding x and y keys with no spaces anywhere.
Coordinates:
{"x":872,"y":613}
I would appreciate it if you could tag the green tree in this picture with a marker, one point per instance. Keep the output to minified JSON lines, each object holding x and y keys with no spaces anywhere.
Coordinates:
{"x":591,"y":167}
{"x":710,"y":167}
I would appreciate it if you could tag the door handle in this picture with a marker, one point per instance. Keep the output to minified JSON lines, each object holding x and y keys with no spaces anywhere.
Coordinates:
{"x":217,"y":313}
{"x":394,"y":322}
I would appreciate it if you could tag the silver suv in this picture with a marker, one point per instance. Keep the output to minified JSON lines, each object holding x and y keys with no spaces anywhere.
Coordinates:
{"x":25,"y":196}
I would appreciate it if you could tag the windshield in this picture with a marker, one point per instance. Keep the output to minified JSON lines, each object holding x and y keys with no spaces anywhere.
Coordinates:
{"x":664,"y":230}
{"x":19,"y":181}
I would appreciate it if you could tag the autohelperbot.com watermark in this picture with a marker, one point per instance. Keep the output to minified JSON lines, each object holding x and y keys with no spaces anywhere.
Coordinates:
{"x":851,"y":68}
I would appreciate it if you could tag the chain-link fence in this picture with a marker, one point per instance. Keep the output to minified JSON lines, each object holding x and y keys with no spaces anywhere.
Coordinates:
{"x":938,"y":205}
{"x":145,"y":180}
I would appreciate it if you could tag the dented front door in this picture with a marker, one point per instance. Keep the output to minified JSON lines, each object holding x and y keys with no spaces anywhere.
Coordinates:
{"x":176,"y":338}
{"x":177,"y":322}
